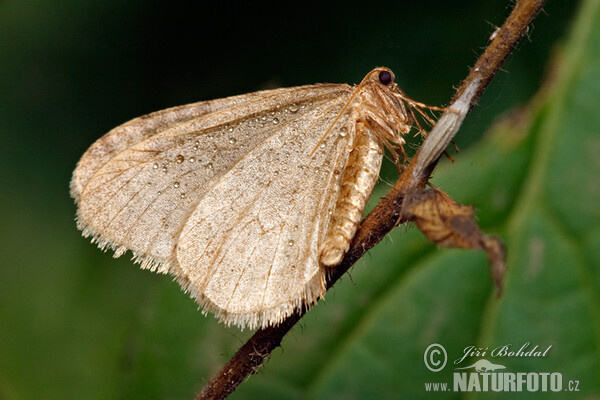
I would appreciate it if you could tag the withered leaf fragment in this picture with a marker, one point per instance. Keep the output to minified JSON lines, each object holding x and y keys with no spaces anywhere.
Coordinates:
{"x":449,"y":224}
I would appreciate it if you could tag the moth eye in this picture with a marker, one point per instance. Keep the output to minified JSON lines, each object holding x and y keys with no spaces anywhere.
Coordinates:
{"x":385,"y":77}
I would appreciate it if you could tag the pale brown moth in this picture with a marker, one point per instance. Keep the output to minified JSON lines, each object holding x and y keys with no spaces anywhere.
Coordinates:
{"x":246,"y":200}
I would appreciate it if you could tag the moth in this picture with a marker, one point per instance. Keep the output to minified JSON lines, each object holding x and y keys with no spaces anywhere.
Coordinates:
{"x":247,"y":200}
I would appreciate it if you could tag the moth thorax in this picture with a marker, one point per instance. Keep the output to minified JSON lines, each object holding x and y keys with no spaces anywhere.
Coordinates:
{"x":384,"y":113}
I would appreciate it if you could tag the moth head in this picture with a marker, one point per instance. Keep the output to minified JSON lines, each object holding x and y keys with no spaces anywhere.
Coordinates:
{"x":386,"y":77}
{"x":380,"y":76}
{"x":384,"y":104}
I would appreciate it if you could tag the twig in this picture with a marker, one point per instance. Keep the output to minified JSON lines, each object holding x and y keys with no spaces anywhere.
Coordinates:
{"x":388,"y":213}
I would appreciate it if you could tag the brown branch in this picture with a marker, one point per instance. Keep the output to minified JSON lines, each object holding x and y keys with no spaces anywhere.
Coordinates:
{"x":388,"y":213}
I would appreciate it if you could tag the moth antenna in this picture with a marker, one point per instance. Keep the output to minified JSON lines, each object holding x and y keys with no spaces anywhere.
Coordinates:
{"x":335,"y":121}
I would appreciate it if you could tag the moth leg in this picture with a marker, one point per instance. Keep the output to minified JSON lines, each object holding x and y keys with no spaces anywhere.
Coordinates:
{"x":416,"y":104}
{"x":390,"y":134}
{"x":419,"y":107}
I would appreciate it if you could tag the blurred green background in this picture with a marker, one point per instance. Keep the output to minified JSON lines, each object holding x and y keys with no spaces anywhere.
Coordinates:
{"x":76,"y":323}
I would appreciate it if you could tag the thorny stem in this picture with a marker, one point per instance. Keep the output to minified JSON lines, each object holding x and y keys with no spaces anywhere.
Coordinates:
{"x":388,"y":213}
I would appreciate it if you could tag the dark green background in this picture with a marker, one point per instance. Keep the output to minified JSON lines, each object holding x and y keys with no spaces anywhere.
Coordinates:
{"x":75,"y":323}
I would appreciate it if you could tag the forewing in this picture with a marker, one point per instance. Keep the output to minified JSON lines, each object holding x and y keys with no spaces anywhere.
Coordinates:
{"x":139,"y":129}
{"x":249,"y":251}
{"x":138,"y":185}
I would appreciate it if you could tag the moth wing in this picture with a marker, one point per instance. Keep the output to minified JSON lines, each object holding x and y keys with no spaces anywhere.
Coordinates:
{"x":142,"y":128}
{"x":138,"y":185}
{"x":249,"y":250}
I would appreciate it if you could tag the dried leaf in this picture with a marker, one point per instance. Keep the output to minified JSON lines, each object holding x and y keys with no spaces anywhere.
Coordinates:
{"x":450,"y":224}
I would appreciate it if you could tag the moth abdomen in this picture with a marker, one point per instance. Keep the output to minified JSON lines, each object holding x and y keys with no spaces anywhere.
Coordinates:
{"x":360,"y":175}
